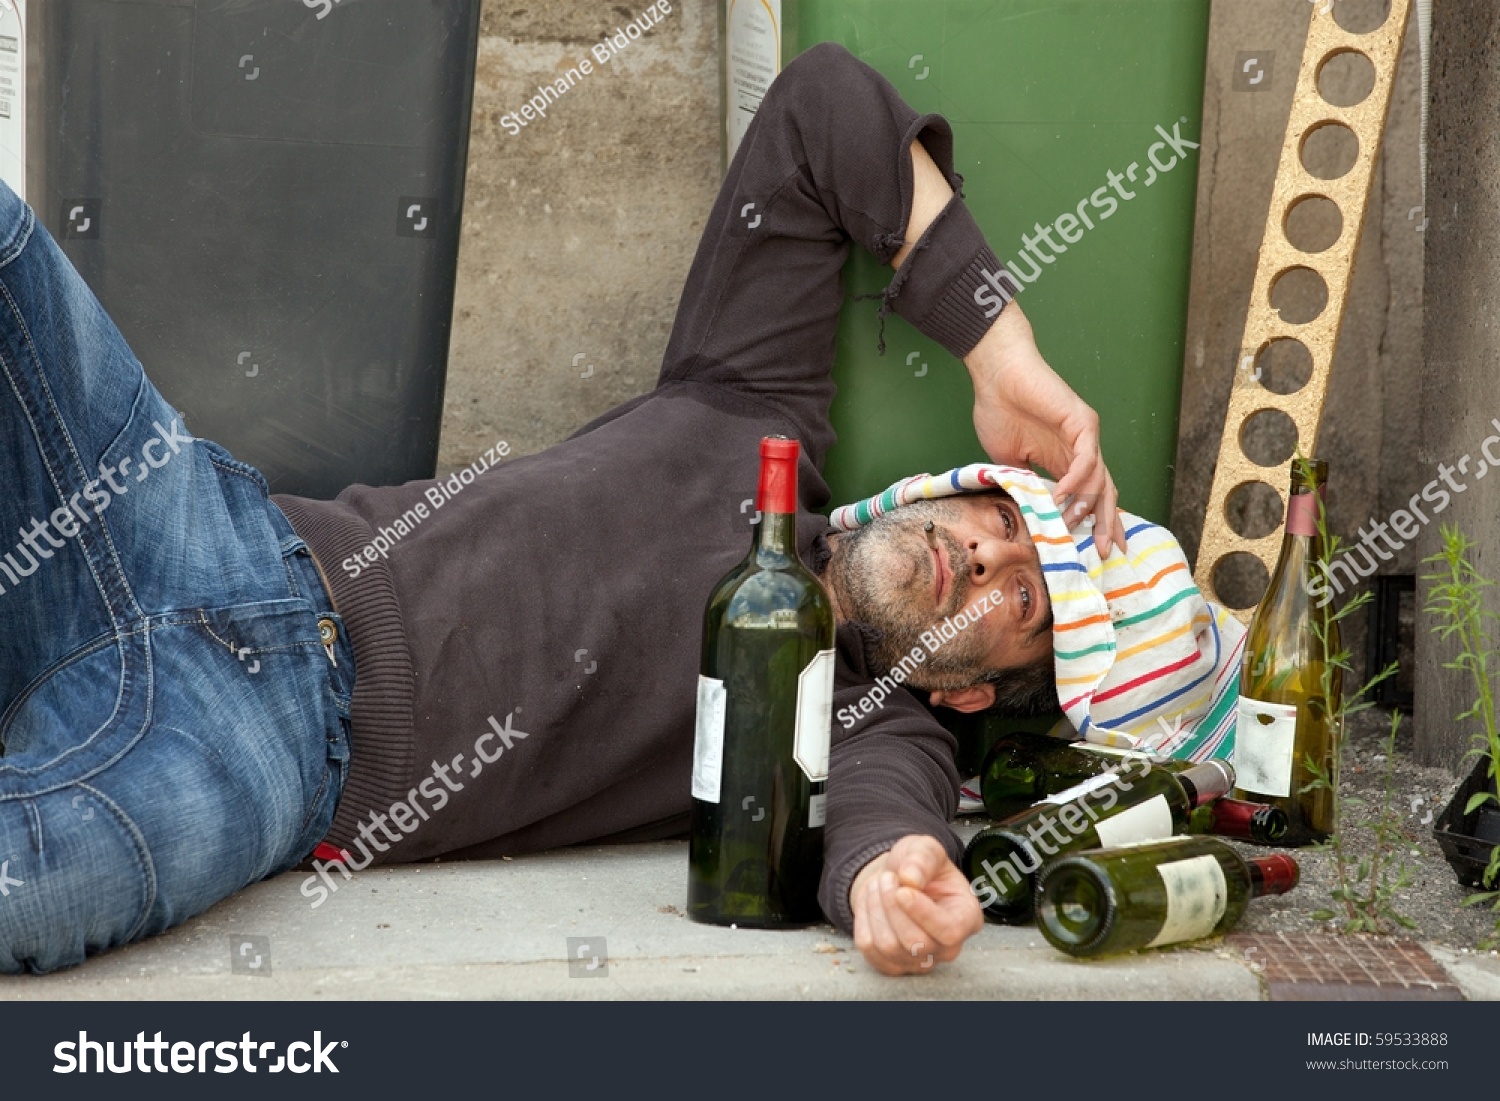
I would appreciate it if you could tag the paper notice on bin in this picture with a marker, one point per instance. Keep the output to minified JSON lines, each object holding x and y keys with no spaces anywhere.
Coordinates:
{"x":13,"y":94}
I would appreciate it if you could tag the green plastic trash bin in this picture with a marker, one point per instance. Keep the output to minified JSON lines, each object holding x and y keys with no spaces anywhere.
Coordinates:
{"x":1078,"y":117}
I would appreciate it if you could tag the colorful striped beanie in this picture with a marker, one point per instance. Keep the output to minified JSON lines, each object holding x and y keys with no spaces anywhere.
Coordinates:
{"x":1143,"y":660}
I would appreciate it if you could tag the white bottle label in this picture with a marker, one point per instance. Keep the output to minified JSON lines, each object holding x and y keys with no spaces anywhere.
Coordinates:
{"x":1265,"y":740}
{"x":817,"y":811}
{"x":752,"y":58}
{"x":814,"y":733}
{"x":1196,"y":899}
{"x":1148,"y":821}
{"x":708,"y":744}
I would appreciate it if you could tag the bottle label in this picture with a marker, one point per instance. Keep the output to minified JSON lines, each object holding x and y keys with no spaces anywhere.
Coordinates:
{"x":814,"y":716}
{"x":817,"y":811}
{"x":1148,"y":821}
{"x":708,"y":744}
{"x":1265,"y":740}
{"x":1197,"y":897}
{"x":752,"y":33}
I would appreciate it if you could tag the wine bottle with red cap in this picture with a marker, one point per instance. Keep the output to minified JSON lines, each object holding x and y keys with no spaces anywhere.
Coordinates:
{"x":1153,"y":893}
{"x":765,"y":699}
{"x":1261,"y":823}
{"x":1138,"y":801}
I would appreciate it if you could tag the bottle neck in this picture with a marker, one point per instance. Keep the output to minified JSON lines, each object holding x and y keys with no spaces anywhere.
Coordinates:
{"x":776,"y":499}
{"x":776,"y":534}
{"x":1303,"y":540}
{"x":1247,"y":821}
{"x":1272,"y":875}
{"x":1203,"y":783}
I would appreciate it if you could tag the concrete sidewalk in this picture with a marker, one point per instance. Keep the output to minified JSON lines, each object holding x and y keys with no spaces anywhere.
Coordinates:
{"x":501,"y":929}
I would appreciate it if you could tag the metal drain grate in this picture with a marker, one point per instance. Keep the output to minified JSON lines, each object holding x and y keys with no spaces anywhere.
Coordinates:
{"x":1312,"y":967}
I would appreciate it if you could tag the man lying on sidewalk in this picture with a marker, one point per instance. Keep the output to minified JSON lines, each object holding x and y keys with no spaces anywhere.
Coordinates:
{"x":202,"y":683}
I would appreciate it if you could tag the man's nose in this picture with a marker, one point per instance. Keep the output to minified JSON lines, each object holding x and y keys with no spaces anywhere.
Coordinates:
{"x":990,"y":556}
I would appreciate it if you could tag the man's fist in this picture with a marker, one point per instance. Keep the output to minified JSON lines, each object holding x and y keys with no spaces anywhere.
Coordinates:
{"x":912,"y":908}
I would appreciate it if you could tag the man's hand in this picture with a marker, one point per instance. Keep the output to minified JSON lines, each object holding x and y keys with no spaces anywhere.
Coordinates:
{"x":1024,"y":413}
{"x":912,"y":908}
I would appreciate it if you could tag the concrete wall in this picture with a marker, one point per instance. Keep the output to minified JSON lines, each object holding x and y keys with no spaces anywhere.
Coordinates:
{"x":1459,"y":393}
{"x":578,"y":231}
{"x":1369,"y":432}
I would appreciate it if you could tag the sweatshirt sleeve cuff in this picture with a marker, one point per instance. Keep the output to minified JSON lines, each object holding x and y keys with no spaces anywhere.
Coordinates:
{"x":836,"y":885}
{"x":952,"y":286}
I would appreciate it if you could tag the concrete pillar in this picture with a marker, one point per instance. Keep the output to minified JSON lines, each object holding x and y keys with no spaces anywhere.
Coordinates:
{"x":1460,"y":382}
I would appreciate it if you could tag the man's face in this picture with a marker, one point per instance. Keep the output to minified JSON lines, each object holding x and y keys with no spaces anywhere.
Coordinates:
{"x":889,"y":575}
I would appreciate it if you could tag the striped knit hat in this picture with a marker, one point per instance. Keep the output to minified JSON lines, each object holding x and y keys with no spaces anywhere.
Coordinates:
{"x":1143,"y":660}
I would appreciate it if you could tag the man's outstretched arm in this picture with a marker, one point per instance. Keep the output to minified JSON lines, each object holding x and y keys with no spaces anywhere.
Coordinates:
{"x":912,"y":908}
{"x":889,"y":876}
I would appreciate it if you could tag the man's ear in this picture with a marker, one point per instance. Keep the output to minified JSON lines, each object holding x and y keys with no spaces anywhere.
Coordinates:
{"x":974,"y":698}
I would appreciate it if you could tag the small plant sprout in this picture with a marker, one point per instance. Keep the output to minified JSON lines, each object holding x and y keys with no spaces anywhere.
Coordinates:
{"x":1363,"y":891}
{"x":1456,"y":599}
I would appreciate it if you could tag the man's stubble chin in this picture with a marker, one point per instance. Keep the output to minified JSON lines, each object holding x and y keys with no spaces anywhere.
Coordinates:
{"x":880,"y":574}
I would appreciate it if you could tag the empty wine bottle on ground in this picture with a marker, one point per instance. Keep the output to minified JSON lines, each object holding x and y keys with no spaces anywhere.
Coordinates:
{"x":1287,"y":714}
{"x":765,"y":698}
{"x":1151,"y":894}
{"x":1022,"y":768}
{"x":1257,"y":822}
{"x":1137,"y":802}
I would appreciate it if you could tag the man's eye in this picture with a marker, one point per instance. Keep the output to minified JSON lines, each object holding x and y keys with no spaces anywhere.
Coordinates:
{"x":1010,"y":524}
{"x":1025,"y":599}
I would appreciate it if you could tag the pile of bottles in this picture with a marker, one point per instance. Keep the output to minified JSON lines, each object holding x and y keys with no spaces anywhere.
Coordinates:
{"x":1111,"y":851}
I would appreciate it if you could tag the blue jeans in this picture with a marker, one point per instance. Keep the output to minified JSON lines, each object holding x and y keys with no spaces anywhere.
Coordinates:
{"x":174,"y":727}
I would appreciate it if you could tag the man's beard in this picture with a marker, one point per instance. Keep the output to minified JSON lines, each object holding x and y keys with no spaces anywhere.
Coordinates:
{"x":883,"y":571}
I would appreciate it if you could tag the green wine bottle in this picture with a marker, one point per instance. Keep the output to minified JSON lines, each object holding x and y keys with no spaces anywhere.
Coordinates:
{"x":1153,"y":893}
{"x":1137,"y":802}
{"x":765,"y":698}
{"x":1023,"y":768}
{"x":1258,"y":822}
{"x":1285,"y":718}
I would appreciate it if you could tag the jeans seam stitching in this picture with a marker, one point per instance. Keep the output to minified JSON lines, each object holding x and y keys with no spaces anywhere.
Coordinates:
{"x":44,"y":393}
{"x":18,"y":243}
{"x":226,"y":468}
{"x":143,"y":856}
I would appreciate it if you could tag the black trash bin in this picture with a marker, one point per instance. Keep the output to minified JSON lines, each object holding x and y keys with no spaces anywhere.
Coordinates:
{"x":266,"y":195}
